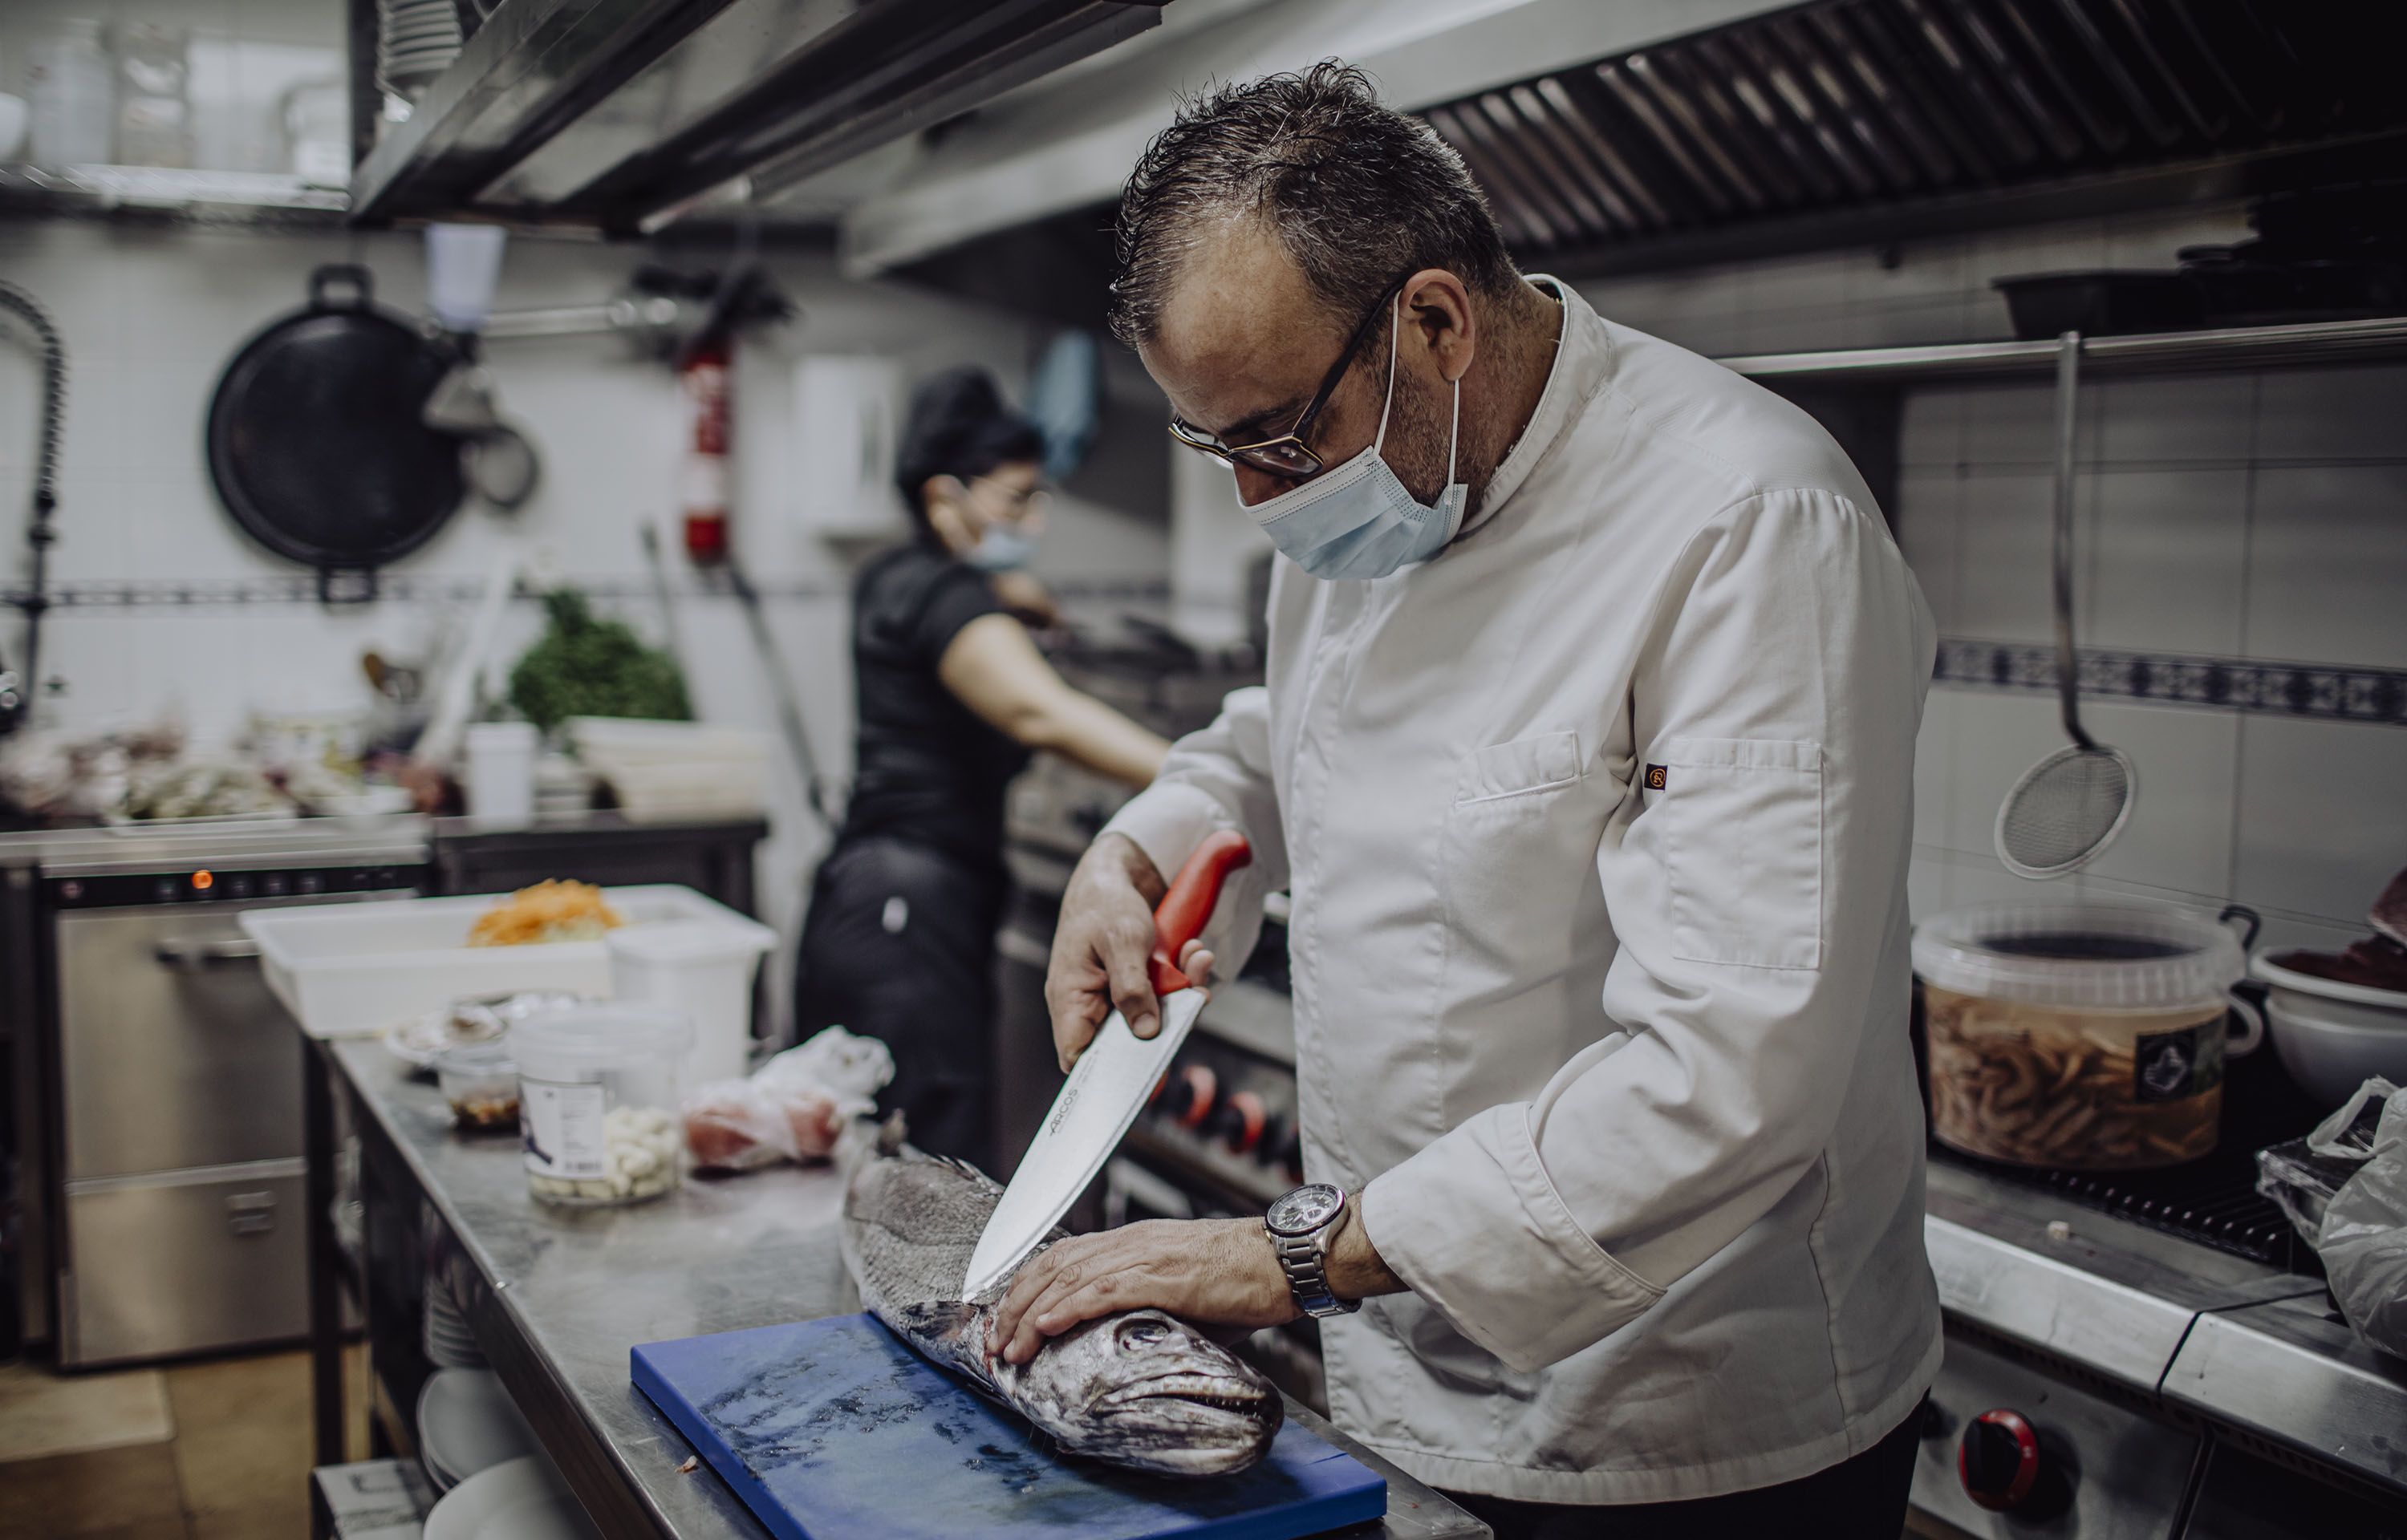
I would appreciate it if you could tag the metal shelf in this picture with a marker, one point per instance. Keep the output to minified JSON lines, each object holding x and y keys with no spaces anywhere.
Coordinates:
{"x":229,"y":197}
{"x":2150,"y":353}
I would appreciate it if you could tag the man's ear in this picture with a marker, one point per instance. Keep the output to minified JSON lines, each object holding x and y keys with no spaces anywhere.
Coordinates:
{"x":1437,"y":306}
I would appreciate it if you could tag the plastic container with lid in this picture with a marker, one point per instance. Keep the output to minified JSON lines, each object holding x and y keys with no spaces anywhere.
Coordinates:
{"x":2083,"y":1036}
{"x":598,"y":1088}
{"x":480,"y":1082}
{"x":702,"y":969}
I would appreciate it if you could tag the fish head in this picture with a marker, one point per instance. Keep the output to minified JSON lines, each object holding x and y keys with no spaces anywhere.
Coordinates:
{"x":1147,"y":1389}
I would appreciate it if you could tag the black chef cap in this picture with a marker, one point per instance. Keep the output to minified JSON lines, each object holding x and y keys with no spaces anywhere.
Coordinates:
{"x":959,"y":426}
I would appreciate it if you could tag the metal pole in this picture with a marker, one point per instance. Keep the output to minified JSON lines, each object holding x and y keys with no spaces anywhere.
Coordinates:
{"x":2068,"y":397}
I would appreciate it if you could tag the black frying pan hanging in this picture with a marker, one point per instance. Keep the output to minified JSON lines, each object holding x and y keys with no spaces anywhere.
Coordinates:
{"x":315,"y":438}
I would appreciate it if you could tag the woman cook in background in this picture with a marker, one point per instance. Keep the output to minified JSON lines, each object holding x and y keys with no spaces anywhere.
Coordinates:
{"x":952,"y":698}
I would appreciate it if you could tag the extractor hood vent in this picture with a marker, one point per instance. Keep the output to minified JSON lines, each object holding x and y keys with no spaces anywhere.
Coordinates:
{"x":1806,"y":125}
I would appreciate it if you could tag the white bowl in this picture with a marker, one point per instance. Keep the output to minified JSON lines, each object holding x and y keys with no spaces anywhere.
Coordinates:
{"x":467,"y":1423}
{"x":2330,"y":1036}
{"x":518,"y":1500}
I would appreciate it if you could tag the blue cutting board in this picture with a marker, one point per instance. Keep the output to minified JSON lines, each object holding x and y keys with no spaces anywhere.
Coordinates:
{"x":834,"y":1430}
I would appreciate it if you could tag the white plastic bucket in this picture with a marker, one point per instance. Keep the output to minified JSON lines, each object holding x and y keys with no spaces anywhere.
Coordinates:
{"x":501,"y":773}
{"x":702,"y":970}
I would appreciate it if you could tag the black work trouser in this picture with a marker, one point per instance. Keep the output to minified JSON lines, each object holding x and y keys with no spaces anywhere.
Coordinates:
{"x":1860,"y":1498}
{"x":900,"y":946}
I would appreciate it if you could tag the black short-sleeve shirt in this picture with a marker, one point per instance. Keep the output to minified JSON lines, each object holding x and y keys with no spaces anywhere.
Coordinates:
{"x":927,"y":768}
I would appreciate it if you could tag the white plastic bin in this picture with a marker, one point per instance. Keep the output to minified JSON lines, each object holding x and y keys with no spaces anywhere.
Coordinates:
{"x":354,"y":969}
{"x":702,"y":970}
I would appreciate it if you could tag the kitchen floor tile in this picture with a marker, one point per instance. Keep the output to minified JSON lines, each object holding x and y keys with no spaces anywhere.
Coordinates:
{"x":243,"y":1451}
{"x":43,"y":1413}
{"x":2166,"y":550}
{"x":2322,"y":825}
{"x":110,"y":1492}
{"x":2327,"y":563}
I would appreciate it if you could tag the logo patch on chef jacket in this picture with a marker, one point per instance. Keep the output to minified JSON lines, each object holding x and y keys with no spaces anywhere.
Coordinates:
{"x":1655,"y":777}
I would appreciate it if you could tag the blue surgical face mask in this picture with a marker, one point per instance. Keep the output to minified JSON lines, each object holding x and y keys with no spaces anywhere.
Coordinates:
{"x":1357,"y":521}
{"x":1001,"y":549}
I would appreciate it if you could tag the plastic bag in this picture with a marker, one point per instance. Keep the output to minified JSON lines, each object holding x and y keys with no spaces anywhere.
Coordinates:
{"x":2302,"y":1175}
{"x":2364,"y":1237}
{"x":792,"y":1108}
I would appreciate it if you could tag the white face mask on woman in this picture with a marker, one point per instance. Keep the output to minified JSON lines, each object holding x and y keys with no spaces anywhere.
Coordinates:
{"x":1358,"y":520}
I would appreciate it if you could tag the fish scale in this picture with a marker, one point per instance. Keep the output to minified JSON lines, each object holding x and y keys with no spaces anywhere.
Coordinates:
{"x":1137,"y":1388}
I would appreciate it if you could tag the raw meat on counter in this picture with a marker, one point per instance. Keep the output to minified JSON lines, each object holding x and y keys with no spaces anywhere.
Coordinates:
{"x":793,"y":1108}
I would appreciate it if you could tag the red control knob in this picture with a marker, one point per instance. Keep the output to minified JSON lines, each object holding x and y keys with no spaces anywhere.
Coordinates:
{"x":1192,"y":1090}
{"x":1242,"y":1120}
{"x":1998,"y":1459}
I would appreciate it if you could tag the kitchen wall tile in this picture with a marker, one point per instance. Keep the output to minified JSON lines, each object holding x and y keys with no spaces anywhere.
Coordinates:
{"x":163,"y":414}
{"x":2165,"y":554}
{"x":1982,"y":880}
{"x":1795,"y":331}
{"x":2014,"y":425}
{"x":1934,"y":767}
{"x":90,"y":523}
{"x":2153,"y":240}
{"x":1925,"y":887}
{"x":1999,"y":735}
{"x":2283,"y":932}
{"x":1930,"y":429}
{"x":2071,"y":246}
{"x":1814,"y":281}
{"x":1923,"y":271}
{"x":1926,"y":518}
{"x":2003,"y":529}
{"x":2086,"y":887}
{"x":90,"y":657}
{"x":2331,"y":414}
{"x":1906,"y":324}
{"x":2179,"y":833}
{"x":2180,"y":417}
{"x":2328,"y":564}
{"x":2322,"y":823}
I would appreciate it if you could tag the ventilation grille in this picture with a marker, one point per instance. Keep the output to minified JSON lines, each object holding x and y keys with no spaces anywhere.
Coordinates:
{"x":1862,"y":104}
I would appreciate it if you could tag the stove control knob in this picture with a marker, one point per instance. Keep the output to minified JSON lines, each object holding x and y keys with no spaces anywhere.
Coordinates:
{"x":1240,"y":1121}
{"x":1192,"y":1090}
{"x":1998,"y":1459}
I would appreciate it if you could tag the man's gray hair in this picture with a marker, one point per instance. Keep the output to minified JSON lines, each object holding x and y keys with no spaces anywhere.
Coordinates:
{"x":1360,"y":195}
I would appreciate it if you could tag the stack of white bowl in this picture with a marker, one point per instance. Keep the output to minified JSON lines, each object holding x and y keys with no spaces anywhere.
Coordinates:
{"x":2333,"y":1037}
{"x":466,"y":1423}
{"x":416,"y":41}
{"x":517,"y":1500}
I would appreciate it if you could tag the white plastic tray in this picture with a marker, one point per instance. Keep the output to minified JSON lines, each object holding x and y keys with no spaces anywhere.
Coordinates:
{"x":350,"y":970}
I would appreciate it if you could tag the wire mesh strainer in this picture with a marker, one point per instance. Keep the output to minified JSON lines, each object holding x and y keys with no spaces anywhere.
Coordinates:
{"x":2071,"y":805}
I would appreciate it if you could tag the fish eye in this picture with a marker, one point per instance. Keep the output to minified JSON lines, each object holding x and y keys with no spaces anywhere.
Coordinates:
{"x":1142,"y":1333}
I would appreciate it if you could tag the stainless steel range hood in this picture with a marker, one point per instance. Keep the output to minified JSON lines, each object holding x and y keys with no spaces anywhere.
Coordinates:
{"x":615,"y":114}
{"x":1659,"y":133}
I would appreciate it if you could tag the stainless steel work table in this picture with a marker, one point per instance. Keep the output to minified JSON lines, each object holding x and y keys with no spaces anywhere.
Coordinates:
{"x":566,"y":1294}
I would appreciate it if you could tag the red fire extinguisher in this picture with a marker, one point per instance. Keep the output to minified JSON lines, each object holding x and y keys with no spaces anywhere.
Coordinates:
{"x":706,"y":378}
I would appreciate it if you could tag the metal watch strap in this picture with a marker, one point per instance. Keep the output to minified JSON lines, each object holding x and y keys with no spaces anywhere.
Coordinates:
{"x":1303,"y":1259}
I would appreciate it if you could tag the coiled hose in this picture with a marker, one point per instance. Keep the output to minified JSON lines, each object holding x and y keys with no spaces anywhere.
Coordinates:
{"x":17,"y":704}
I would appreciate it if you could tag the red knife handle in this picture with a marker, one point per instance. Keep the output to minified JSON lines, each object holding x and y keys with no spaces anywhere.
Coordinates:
{"x":1186,"y":907}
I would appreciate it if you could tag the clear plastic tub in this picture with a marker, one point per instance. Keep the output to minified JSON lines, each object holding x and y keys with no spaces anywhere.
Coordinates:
{"x":703,"y":968}
{"x":480,"y":1082}
{"x":2088,"y":1037}
{"x":598,"y":1092}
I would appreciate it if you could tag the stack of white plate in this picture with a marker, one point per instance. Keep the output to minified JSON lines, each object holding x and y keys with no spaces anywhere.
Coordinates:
{"x":416,"y":41}
{"x":519,"y":1500}
{"x":467,"y":1423}
{"x":450,"y":1343}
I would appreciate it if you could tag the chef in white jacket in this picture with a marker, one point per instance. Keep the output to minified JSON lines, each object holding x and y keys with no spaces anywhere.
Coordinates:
{"x":1586,"y":755}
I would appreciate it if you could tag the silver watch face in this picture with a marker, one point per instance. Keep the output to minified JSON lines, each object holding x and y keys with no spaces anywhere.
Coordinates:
{"x":1305,"y":1209}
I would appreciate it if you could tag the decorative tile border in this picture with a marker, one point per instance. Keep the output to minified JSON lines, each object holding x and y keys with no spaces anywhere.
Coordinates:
{"x":2327,"y":691}
{"x":302,"y":591}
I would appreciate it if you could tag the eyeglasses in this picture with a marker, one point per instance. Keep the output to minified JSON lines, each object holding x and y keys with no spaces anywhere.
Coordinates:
{"x":1289,"y":455}
{"x":1018,"y":503}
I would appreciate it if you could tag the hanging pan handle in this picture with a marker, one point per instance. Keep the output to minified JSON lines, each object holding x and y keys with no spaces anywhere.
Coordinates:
{"x":362,"y":285}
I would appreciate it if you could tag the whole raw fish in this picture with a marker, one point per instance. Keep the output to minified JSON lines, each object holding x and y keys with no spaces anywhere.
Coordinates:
{"x":1138,"y":1389}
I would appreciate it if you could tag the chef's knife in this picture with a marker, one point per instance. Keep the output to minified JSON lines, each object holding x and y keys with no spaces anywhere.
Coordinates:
{"x":1111,"y":1081}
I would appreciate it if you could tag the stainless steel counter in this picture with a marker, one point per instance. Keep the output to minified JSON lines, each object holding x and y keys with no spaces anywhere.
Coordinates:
{"x":230,"y":844}
{"x":568,"y":1294}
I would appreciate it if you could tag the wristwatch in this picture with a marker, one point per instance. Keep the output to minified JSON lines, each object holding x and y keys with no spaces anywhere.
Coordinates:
{"x":1300,"y":1226}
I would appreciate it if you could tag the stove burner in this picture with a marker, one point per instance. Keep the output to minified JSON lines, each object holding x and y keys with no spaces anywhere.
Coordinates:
{"x":2214,"y":1202}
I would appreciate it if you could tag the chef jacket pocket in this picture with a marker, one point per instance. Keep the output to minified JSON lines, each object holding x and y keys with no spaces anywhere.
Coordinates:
{"x":1743,"y":816}
{"x":1540,"y":762}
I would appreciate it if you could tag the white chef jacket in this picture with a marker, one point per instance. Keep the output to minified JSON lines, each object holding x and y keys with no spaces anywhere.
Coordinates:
{"x":1596,"y":826}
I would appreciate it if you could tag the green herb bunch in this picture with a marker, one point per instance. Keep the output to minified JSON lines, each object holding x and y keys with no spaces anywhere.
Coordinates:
{"x":590,"y":666}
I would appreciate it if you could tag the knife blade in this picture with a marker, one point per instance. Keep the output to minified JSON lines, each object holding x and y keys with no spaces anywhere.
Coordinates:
{"x":1111,"y":1081}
